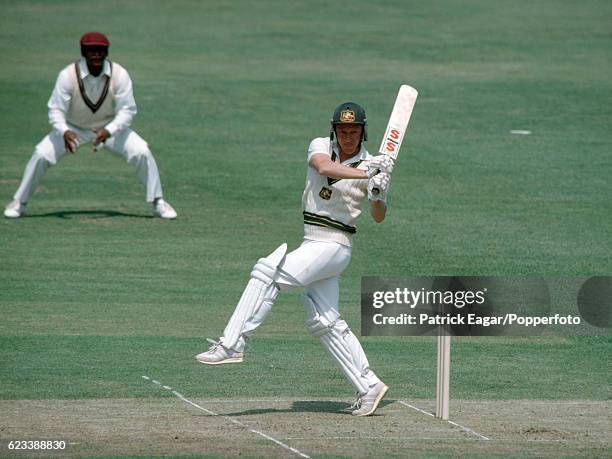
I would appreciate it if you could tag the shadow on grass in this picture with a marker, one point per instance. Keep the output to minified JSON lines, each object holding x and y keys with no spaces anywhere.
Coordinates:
{"x":67,"y":214}
{"x":306,"y":406}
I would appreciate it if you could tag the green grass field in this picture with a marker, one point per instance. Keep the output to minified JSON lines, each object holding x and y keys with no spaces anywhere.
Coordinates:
{"x":95,"y":294}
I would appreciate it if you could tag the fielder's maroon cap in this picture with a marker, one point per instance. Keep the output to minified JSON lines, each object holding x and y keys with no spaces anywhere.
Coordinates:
{"x":94,"y":39}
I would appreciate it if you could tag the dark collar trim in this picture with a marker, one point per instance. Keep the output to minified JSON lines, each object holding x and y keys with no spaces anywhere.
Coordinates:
{"x":94,"y":107}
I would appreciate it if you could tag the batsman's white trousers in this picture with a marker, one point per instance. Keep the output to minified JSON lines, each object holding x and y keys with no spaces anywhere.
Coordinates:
{"x":126,"y":143}
{"x":316,"y":266}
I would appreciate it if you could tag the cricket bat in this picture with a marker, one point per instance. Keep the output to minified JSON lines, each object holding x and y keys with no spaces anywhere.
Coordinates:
{"x":398,"y":122}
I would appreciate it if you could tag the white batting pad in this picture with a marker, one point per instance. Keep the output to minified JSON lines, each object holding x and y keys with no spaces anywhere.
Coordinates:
{"x":334,"y":336}
{"x":256,"y":301}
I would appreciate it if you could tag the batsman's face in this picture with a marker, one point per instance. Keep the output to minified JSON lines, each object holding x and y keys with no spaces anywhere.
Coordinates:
{"x":349,"y":137}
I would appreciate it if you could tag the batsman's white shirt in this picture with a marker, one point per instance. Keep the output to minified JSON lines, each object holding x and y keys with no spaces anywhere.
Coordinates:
{"x":331,"y":206}
{"x":316,"y":265}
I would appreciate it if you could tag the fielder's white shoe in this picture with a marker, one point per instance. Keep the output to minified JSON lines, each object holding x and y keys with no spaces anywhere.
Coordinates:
{"x":367,"y":404}
{"x":14,"y":209}
{"x":164,"y":210}
{"x":217,"y":355}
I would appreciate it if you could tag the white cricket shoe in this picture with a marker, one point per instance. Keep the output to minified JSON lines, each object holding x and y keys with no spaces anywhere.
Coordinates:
{"x":15,"y":209}
{"x":217,"y":355}
{"x":367,"y":404}
{"x":164,"y":210}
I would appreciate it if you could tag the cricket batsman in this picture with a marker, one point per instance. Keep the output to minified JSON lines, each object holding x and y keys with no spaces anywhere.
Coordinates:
{"x":341,"y":174}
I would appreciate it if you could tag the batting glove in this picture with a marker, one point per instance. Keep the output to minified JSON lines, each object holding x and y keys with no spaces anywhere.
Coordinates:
{"x":378,"y":187}
{"x":378,"y":164}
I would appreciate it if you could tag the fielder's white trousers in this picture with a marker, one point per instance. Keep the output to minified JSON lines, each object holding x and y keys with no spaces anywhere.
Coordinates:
{"x":316,"y":266}
{"x":126,"y":143}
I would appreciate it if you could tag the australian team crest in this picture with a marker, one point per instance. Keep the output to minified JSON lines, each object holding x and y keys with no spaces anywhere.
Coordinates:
{"x":325,"y":193}
{"x":347,"y":116}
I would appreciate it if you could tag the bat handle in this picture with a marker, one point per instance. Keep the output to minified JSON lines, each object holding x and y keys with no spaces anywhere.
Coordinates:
{"x":376,"y":190}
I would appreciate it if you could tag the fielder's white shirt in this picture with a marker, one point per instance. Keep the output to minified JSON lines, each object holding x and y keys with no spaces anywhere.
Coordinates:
{"x":332,"y":206}
{"x":123,"y":107}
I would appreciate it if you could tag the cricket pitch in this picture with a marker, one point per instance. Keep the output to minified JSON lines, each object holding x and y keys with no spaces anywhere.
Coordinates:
{"x":307,"y":428}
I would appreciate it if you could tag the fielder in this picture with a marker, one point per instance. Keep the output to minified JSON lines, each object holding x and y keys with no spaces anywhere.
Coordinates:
{"x":92,"y":102}
{"x":341,"y":173}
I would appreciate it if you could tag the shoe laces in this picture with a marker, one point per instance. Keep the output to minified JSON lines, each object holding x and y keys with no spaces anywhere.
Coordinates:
{"x":215,"y":344}
{"x":357,"y":403}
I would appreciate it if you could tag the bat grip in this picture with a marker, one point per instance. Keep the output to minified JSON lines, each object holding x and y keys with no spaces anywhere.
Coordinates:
{"x":376,"y":190}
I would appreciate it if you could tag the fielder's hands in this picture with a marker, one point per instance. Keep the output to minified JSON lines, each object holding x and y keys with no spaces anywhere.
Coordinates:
{"x":101,"y":136}
{"x":379,"y":182}
{"x":71,"y":141}
{"x":380,"y":164}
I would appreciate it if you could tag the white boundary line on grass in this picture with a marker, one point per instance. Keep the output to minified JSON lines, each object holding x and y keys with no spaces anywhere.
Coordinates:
{"x":466,"y":429}
{"x":234,"y":421}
